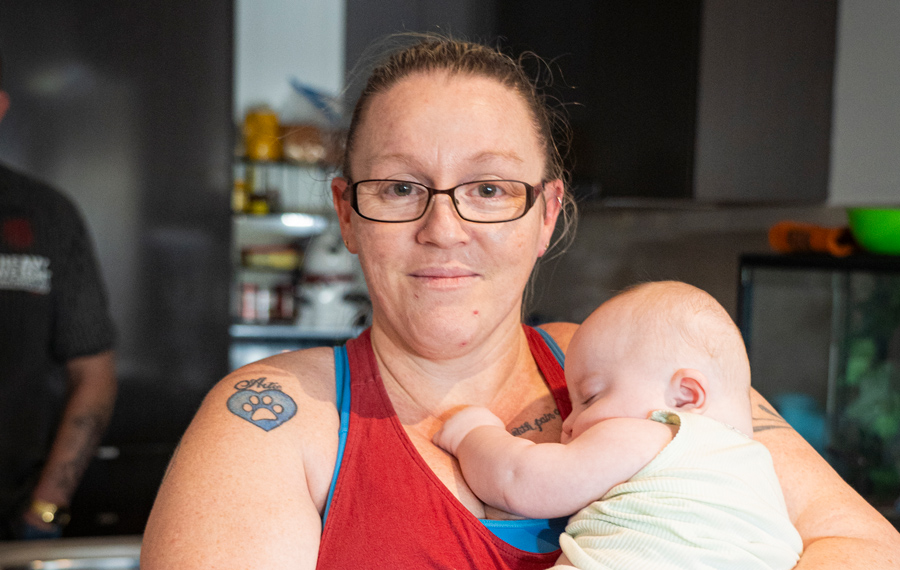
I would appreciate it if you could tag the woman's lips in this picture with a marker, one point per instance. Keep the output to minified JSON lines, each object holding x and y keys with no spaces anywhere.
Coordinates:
{"x":444,"y":275}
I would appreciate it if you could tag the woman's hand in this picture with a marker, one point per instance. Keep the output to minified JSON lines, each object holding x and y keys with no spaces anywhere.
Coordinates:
{"x":461,"y":423}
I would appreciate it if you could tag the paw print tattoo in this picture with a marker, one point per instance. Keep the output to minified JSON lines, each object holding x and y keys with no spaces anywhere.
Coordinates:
{"x":266,"y":409}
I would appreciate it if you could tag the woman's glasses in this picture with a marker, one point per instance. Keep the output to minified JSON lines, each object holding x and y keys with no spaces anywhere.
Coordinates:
{"x":482,"y":201}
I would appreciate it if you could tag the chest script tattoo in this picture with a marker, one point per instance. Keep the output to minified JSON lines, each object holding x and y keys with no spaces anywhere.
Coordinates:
{"x":537,"y":424}
{"x":261,"y":403}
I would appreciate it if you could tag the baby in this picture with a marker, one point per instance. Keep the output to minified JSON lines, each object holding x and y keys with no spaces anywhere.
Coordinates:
{"x":657,"y":455}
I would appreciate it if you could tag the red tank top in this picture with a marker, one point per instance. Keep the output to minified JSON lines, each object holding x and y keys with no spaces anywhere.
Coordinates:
{"x":389,"y":510}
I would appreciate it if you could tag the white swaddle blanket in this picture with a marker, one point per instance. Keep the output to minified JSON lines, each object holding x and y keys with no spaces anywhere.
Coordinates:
{"x":709,"y":500}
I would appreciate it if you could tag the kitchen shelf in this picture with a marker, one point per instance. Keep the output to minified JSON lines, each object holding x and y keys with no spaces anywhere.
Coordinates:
{"x":295,"y":187}
{"x":287,"y":331}
{"x":269,"y":304}
{"x":265,"y":272}
{"x":291,"y":224}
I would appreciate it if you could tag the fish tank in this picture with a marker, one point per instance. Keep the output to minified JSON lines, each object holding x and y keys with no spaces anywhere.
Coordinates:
{"x":823,"y":336}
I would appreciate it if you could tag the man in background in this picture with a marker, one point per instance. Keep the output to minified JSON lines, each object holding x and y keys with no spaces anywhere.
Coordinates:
{"x":57,"y":376}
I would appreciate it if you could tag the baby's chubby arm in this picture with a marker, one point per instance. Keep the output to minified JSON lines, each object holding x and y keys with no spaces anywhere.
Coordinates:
{"x":460,"y":424}
{"x":547,"y":480}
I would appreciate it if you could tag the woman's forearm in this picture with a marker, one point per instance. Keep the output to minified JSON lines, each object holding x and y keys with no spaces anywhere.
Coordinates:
{"x":840,"y":529}
{"x":847,"y":553}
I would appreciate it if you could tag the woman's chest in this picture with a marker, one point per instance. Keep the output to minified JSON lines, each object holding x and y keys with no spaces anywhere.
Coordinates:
{"x":538,"y":421}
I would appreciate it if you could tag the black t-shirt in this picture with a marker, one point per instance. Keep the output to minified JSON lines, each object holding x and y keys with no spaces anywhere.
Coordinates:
{"x":52,"y":308}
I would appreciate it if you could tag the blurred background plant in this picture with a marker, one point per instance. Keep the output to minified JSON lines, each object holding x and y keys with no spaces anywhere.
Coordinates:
{"x":870,"y":387}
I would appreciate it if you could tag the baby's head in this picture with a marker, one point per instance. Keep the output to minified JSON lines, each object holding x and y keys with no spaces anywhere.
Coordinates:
{"x":660,"y":345}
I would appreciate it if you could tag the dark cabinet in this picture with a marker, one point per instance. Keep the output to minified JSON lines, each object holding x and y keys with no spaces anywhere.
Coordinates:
{"x":717,"y":101}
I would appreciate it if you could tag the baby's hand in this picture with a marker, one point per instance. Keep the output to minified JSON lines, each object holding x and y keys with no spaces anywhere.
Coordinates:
{"x":461,"y":423}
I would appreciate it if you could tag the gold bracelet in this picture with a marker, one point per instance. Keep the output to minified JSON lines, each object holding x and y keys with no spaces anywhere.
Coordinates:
{"x":50,"y":513}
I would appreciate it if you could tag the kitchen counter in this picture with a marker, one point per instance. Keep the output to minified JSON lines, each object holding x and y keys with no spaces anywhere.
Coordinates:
{"x":94,"y":553}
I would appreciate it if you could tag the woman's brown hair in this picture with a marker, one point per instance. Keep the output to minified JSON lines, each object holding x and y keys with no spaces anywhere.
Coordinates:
{"x":438,"y":53}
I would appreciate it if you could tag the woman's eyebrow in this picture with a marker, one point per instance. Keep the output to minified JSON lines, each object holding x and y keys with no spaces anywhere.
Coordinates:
{"x":396,"y":158}
{"x":489,"y":156}
{"x":484,"y":157}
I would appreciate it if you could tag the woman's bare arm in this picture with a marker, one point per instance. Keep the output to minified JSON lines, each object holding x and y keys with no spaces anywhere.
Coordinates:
{"x":240,"y":492}
{"x":840,"y":529}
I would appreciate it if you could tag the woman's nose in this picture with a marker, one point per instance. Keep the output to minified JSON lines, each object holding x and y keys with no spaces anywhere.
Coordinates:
{"x":442,"y":224}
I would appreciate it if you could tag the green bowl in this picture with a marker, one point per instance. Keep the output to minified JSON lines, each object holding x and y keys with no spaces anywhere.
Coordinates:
{"x":877,"y":230}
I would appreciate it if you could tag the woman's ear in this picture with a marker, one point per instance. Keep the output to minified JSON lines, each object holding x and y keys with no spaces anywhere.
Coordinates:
{"x":344,"y":210}
{"x":688,"y":390}
{"x":553,"y":192}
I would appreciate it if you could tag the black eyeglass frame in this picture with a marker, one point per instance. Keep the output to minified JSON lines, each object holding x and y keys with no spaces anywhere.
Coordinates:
{"x":530,"y":199}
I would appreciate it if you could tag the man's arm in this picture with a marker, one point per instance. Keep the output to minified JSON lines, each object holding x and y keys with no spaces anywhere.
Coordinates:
{"x":840,"y":529}
{"x":548,"y":480}
{"x":88,"y":409}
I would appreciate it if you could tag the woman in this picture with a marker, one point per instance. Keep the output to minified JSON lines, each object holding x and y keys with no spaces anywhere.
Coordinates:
{"x":446,"y":270}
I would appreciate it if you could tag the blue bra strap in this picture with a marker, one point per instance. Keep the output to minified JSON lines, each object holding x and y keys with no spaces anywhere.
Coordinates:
{"x":530,"y":535}
{"x":342,"y":387}
{"x":554,"y":348}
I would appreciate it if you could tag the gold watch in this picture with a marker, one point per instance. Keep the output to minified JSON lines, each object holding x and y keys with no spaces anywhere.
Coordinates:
{"x":50,"y":513}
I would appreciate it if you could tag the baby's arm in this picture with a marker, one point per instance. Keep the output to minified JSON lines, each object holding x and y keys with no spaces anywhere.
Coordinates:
{"x":548,"y":480}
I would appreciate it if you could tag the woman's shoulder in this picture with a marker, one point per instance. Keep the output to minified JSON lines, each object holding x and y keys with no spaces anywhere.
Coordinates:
{"x":294,"y":390}
{"x":282,"y":406}
{"x":309,"y":371}
{"x":561,"y":333}
{"x":266,"y":434}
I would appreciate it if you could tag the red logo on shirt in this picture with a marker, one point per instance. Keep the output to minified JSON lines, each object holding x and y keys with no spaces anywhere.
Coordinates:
{"x":17,"y":233}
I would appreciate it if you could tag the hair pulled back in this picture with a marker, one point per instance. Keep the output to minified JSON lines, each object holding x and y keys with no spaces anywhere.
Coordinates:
{"x":437,"y":53}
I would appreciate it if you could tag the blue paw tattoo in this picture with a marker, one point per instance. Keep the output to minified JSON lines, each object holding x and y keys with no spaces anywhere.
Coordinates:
{"x":267,"y":409}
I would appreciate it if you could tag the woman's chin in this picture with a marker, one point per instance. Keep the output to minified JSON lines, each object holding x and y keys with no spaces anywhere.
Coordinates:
{"x":445,"y":334}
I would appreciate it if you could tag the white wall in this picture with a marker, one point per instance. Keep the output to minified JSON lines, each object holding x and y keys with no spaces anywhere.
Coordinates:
{"x":865,"y":137}
{"x":279,"y":39}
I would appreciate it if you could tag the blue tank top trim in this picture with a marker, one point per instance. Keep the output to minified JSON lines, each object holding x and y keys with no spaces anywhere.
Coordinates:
{"x":342,"y":386}
{"x":554,"y":348}
{"x":530,"y":535}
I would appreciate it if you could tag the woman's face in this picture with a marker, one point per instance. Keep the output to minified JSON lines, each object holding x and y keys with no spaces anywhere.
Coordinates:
{"x":440,"y":283}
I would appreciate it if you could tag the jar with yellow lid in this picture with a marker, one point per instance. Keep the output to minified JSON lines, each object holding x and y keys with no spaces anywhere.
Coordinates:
{"x":261,"y":134}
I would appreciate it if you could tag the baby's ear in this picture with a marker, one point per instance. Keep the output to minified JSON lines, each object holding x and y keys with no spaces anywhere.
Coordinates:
{"x":687,"y":391}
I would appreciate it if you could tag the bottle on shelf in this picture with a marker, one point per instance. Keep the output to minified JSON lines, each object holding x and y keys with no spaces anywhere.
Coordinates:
{"x":262,"y":140}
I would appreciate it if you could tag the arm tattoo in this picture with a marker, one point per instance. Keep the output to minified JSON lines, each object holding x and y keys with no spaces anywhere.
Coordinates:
{"x":765,"y":418}
{"x":88,"y":430}
{"x":261,"y":403}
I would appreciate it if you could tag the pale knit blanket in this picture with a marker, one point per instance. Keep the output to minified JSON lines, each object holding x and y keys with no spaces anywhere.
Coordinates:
{"x":709,"y":500}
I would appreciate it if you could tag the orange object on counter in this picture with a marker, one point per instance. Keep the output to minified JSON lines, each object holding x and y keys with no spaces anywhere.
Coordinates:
{"x":800,"y":237}
{"x":262,"y":136}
